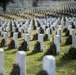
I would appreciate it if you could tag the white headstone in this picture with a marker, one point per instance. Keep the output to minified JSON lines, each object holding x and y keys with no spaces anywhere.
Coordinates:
{"x":29,"y":31}
{"x":3,"y":26}
{"x":60,"y":26}
{"x":75,"y":24}
{"x":38,"y":31}
{"x":15,"y":38}
{"x":68,"y":22}
{"x":24,"y":28}
{"x":72,"y":33}
{"x":51,"y":27}
{"x":21,"y":61}
{"x":59,"y":32}
{"x":40,"y":39}
{"x":57,"y":43}
{"x":7,"y":29}
{"x":20,"y":30}
{"x":48,"y":33}
{"x":30,"y":26}
{"x":43,"y":27}
{"x":1,"y":31}
{"x":69,"y":28}
{"x":27,"y":40}
{"x":5,"y":36}
{"x":62,"y":21}
{"x":74,"y":42}
{"x":49,"y":64}
{"x":1,"y":61}
{"x":14,"y":29}
{"x":18,"y":25}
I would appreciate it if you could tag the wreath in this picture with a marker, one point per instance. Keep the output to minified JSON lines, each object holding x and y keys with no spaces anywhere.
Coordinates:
{"x":34,"y":27}
{"x":51,"y":50}
{"x":15,"y":70}
{"x":65,"y":29}
{"x":11,"y":34}
{"x":42,"y":72}
{"x":50,"y":31}
{"x":38,"y":23}
{"x":23,"y":46}
{"x":2,"y":44}
{"x":11,"y":27}
{"x":45,"y":37}
{"x":11,"y":44}
{"x":0,"y":33}
{"x":23,"y":30}
{"x":67,"y":33}
{"x":19,"y":35}
{"x":16,"y":29}
{"x":56,"y":33}
{"x":73,"y":25}
{"x":37,"y":47}
{"x":35,"y":36}
{"x":53,"y":28}
{"x":46,"y":27}
{"x":71,"y":54}
{"x":41,"y":30}
{"x":68,"y":40}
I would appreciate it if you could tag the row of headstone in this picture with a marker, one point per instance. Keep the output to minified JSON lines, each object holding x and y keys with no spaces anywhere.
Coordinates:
{"x":15,"y":38}
{"x":69,"y":22}
{"x":47,"y":31}
{"x":21,"y":62}
{"x":40,"y":39}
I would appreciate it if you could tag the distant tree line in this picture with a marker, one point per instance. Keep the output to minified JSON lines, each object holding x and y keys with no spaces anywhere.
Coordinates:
{"x":4,"y":3}
{"x":35,"y":2}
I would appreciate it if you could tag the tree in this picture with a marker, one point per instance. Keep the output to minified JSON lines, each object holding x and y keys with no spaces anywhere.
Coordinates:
{"x":4,"y":3}
{"x":35,"y":2}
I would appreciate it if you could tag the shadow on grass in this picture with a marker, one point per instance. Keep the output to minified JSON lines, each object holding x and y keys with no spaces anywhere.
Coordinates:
{"x":41,"y":58}
{"x":8,"y":49}
{"x":13,"y":52}
{"x":32,"y":53}
{"x":46,"y":40}
{"x":66,"y":44}
{"x":42,"y":72}
{"x":33,"y":40}
{"x":64,"y":36}
{"x":63,"y":61}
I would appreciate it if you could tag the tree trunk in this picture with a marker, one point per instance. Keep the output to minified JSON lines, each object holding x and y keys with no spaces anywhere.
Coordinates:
{"x":35,"y":2}
{"x":4,"y":7}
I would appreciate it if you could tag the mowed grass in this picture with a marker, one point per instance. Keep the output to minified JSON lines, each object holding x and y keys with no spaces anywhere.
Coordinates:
{"x":34,"y":61}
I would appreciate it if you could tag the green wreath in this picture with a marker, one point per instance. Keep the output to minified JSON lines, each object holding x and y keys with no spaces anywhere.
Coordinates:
{"x":68,"y":40}
{"x":51,"y":50}
{"x":2,"y":44}
{"x":37,"y":47}
{"x":23,"y":46}
{"x":15,"y":70}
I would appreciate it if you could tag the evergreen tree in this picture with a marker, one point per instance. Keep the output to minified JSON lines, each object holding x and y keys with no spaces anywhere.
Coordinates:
{"x":4,"y":3}
{"x":35,"y":2}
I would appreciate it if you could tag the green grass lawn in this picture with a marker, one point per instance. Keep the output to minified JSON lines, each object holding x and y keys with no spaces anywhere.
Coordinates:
{"x":34,"y":61}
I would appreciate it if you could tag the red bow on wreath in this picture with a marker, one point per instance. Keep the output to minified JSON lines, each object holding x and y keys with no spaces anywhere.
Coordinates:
{"x":22,"y":44}
{"x":51,"y":49}
{"x":13,"y":64}
{"x":2,"y":40}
